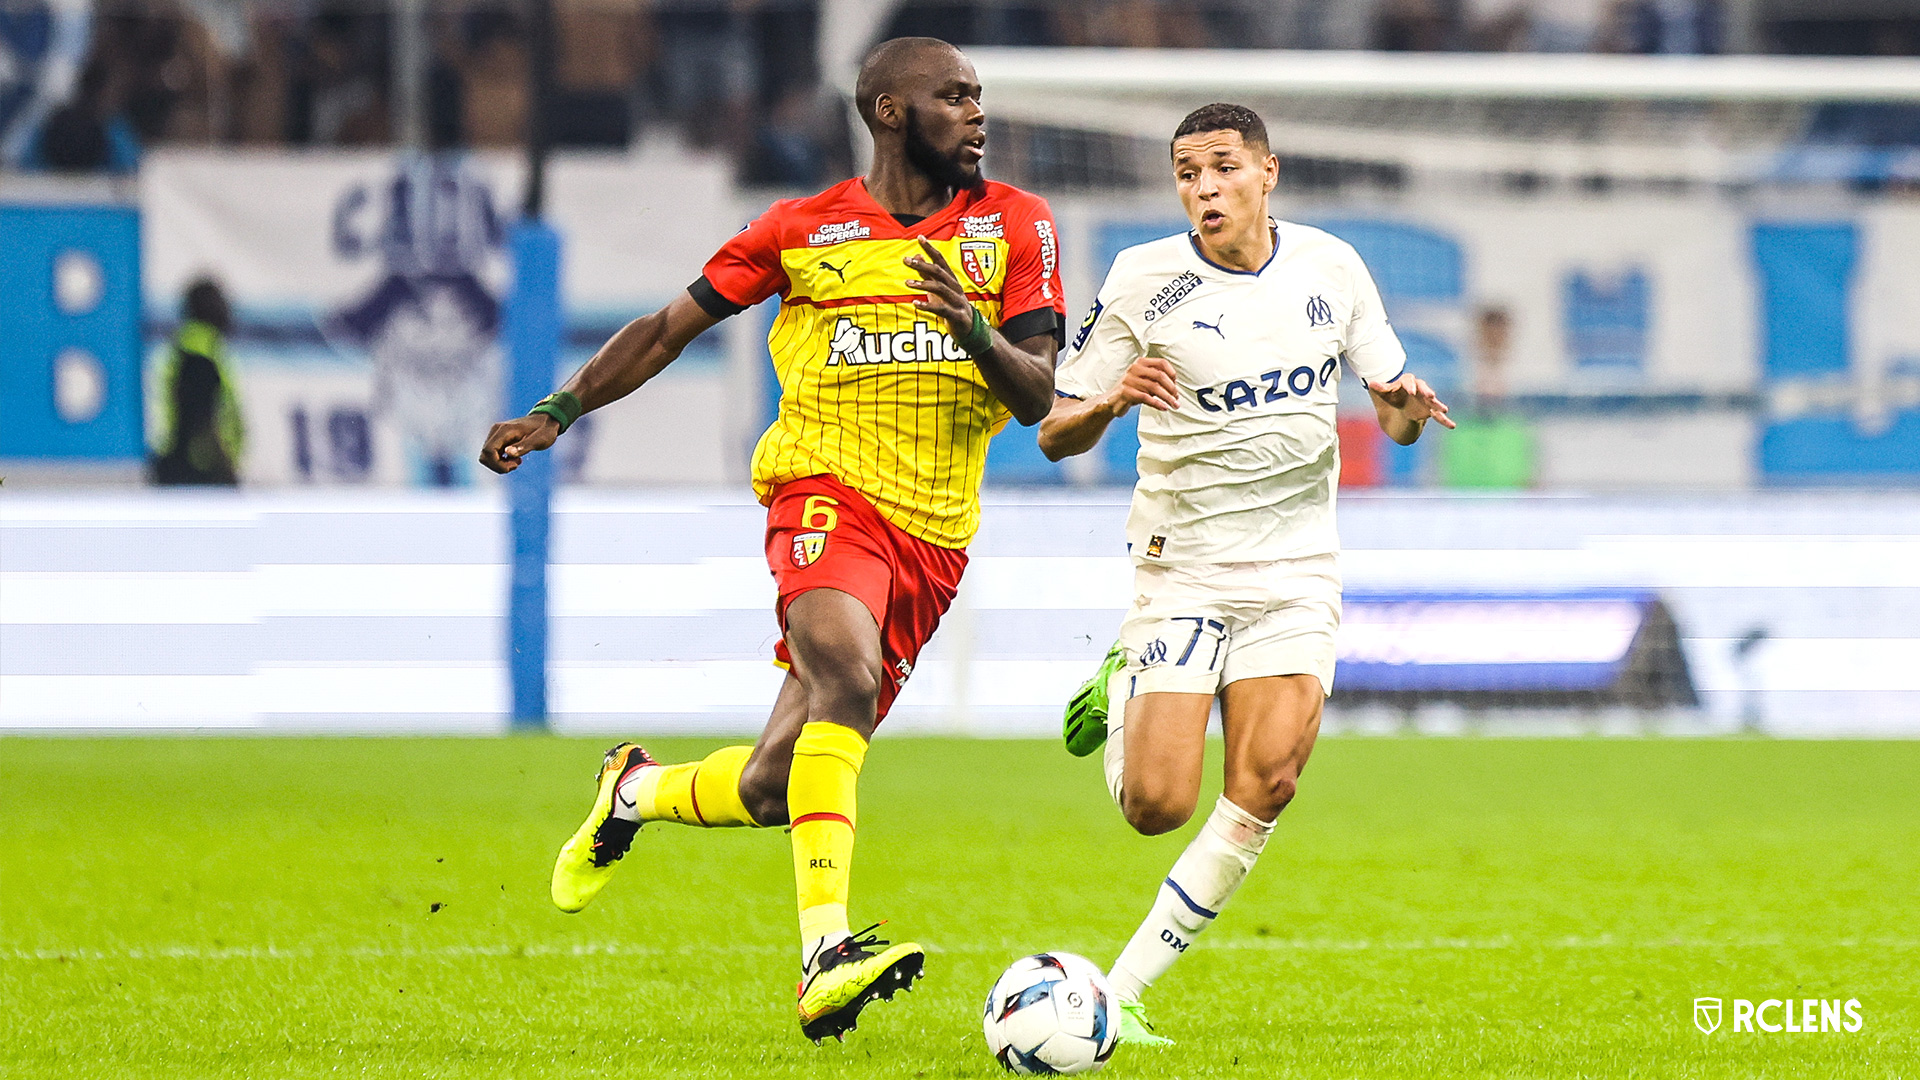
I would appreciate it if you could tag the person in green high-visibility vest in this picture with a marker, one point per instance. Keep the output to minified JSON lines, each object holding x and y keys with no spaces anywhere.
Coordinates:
{"x":198,"y":434}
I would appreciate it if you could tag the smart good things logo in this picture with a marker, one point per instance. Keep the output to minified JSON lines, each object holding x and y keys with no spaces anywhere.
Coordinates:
{"x":1801,"y":1016}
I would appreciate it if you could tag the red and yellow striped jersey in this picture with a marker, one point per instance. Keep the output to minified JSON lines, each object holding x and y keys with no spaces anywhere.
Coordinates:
{"x":873,"y":391}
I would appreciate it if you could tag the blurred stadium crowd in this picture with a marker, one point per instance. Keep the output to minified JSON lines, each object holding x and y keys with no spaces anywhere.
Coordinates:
{"x":86,"y":85}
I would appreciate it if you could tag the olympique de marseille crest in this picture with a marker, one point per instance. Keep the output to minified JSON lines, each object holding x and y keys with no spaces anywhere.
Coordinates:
{"x":979,"y":258}
{"x":1706,"y":1014}
{"x":807,"y":547}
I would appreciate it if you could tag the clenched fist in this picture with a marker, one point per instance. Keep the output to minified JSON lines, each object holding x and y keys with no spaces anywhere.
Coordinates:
{"x":510,"y":440}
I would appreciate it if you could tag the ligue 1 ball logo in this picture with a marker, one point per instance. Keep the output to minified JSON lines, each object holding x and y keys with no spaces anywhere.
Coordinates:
{"x":807,"y":547}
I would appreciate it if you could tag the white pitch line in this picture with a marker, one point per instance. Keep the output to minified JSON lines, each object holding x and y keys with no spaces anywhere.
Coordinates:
{"x":619,"y":949}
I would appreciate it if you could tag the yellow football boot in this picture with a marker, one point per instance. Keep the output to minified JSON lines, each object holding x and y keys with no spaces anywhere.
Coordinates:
{"x":586,"y":860}
{"x":851,"y":974}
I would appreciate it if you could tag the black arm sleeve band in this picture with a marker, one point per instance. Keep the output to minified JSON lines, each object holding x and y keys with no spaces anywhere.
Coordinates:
{"x":1034,"y":323}
{"x":711,"y":301}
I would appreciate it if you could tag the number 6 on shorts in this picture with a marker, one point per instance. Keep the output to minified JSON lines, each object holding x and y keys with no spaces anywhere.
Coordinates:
{"x":821,"y":506}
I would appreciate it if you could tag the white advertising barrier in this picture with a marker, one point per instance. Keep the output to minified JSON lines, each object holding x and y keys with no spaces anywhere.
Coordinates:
{"x":381,"y":613}
{"x":368,"y":289}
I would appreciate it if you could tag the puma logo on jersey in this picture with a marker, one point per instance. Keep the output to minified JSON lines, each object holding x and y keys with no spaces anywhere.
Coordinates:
{"x":838,"y":271}
{"x":1213,"y":326}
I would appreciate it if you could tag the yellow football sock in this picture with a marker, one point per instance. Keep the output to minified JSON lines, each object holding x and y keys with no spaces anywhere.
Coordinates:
{"x":820,"y":803}
{"x":704,"y":794}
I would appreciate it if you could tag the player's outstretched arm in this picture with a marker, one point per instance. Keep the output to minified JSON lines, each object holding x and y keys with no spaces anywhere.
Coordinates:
{"x":1075,"y":426}
{"x":636,"y":353}
{"x":1405,"y":405}
{"x":1020,"y":373}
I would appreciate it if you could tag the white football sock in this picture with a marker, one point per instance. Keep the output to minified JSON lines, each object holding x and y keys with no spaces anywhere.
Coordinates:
{"x":1203,"y":880}
{"x":1115,"y":755}
{"x":811,"y":950}
{"x":636,"y":791}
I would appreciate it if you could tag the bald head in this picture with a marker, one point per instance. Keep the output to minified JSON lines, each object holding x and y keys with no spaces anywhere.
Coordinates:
{"x":896,"y":66}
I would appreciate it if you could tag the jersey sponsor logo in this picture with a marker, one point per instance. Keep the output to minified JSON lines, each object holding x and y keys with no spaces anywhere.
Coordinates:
{"x":839,"y":232}
{"x":987,"y":225}
{"x":905,"y":668}
{"x":1172,"y":293}
{"x":807,"y":549}
{"x":1155,"y":546}
{"x":1279,"y":384}
{"x":1319,"y":312}
{"x":1049,"y":256}
{"x":1213,"y":326}
{"x":1081,"y":335}
{"x":855,"y":344}
{"x":979,"y":258}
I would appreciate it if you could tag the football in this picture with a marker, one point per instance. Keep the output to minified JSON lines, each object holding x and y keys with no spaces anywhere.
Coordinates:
{"x":1051,"y":1013}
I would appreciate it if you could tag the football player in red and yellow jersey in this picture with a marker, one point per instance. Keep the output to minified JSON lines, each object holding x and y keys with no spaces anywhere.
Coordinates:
{"x":920,"y":309}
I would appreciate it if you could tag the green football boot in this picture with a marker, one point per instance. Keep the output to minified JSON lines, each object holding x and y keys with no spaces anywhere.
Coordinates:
{"x":1134,"y":1028}
{"x":1086,"y":720}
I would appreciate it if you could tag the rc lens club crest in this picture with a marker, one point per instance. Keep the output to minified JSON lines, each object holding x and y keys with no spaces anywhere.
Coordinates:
{"x":807,"y":547}
{"x":979,"y":258}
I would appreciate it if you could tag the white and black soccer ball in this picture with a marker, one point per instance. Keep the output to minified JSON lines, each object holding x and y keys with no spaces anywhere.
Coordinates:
{"x":1052,"y":1013}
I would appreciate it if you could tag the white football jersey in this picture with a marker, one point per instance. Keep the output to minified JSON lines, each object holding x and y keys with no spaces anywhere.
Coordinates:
{"x":1245,"y":469}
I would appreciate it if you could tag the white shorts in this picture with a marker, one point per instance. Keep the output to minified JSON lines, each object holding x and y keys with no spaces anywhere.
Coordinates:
{"x":1195,"y":628}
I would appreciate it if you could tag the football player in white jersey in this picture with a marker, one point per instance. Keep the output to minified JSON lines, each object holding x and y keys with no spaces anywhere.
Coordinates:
{"x":1233,"y":335}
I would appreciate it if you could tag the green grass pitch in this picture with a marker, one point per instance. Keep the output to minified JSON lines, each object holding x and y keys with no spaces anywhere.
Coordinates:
{"x":1429,"y":907}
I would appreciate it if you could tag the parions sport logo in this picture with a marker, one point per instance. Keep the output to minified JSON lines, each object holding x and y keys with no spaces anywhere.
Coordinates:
{"x":856,"y":345}
{"x":1171,"y":293}
{"x":1773,"y":1015}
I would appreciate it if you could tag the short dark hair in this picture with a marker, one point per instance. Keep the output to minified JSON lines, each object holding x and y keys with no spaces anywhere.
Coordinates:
{"x":206,"y":302}
{"x":884,"y":66}
{"x":1221,"y":116}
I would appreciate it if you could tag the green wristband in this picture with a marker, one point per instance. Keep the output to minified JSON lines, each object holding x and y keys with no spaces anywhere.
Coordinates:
{"x":564,"y":407}
{"x":979,"y":337}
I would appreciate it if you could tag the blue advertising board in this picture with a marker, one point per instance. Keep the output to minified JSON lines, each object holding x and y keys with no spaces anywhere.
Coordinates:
{"x":70,"y":357}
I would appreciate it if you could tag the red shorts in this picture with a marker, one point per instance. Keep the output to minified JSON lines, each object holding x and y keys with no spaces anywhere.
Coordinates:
{"x":822,"y":534}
